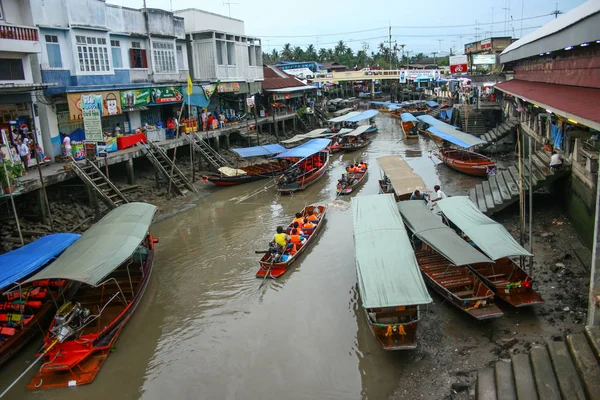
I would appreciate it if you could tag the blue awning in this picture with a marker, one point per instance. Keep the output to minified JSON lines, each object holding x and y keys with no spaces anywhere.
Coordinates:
{"x":394,"y":106}
{"x":257,"y":151}
{"x":408,"y":117}
{"x":380,"y":103}
{"x":432,"y":103}
{"x":456,"y":137}
{"x":26,"y":260}
{"x":431,"y":121}
{"x":305,"y":150}
{"x":363,"y":115}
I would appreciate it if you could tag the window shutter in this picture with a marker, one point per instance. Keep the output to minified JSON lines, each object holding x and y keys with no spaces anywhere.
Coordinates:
{"x":144,"y":59}
{"x":131,"y":59}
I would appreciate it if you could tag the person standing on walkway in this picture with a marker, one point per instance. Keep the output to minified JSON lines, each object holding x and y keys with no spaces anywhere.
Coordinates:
{"x":23,"y":153}
{"x":204,"y":119}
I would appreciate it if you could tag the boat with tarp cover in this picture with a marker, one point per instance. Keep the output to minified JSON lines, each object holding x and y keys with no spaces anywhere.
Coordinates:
{"x":277,"y":261}
{"x":455,"y":151}
{"x":112,"y":261}
{"x":234,"y":176}
{"x":27,"y":309}
{"x":390,"y":285}
{"x":409,"y":126}
{"x":510,"y":282}
{"x":310,"y":161}
{"x":399,"y":178}
{"x":336,"y":139}
{"x":444,"y":259}
{"x":356,"y":139}
{"x":352,"y":120}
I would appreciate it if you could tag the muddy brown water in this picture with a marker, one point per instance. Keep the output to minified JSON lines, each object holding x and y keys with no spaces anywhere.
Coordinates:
{"x":205,"y":329}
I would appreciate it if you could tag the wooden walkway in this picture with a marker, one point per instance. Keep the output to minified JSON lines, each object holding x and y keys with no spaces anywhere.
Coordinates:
{"x":559,"y":370}
{"x":501,"y":190}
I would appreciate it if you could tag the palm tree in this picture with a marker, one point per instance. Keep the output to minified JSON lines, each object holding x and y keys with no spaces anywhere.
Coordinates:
{"x":275,"y":55}
{"x":310,"y":53}
{"x":298,"y":54}
{"x":286,"y":53}
{"x":323,"y":56}
{"x":340,"y":48}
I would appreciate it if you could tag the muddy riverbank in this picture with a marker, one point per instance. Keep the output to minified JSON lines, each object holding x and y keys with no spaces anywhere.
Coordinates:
{"x":205,"y":329}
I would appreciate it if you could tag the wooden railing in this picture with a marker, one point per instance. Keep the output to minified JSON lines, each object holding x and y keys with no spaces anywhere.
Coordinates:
{"x":18,"y":33}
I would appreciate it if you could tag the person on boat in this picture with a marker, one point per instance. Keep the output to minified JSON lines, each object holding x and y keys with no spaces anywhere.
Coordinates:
{"x":439,"y":195}
{"x":308,"y":226}
{"x":282,"y":240}
{"x":296,"y":226}
{"x":556,"y":160}
{"x":363,"y":165}
{"x":417,"y":195}
{"x":312,"y":217}
{"x":296,"y":239}
{"x":299,"y":219}
{"x":318,"y":163}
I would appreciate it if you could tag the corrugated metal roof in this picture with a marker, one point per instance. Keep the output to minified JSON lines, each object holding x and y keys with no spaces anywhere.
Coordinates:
{"x":577,"y":103}
{"x":277,"y":79}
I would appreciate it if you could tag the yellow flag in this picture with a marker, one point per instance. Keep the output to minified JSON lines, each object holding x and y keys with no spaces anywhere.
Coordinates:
{"x":189,"y":88}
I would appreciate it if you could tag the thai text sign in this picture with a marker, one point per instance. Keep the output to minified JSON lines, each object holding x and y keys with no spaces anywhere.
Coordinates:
{"x":479,"y":59}
{"x":486,"y":44}
{"x":168,"y":94}
{"x":111,"y":104}
{"x":92,"y":111}
{"x":456,"y":60}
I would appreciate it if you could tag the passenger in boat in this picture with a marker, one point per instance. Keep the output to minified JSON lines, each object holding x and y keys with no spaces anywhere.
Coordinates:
{"x":308,"y":226}
{"x":438,"y":193}
{"x":312,"y":217}
{"x":299,"y":219}
{"x":296,"y":227}
{"x":363,"y":165}
{"x":556,"y":160}
{"x":417,"y":195}
{"x":283,"y":240}
{"x":296,"y":239}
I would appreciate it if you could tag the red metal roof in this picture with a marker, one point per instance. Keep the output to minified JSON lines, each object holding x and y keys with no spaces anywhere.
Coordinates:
{"x":277,"y":79}
{"x":579,"y":103}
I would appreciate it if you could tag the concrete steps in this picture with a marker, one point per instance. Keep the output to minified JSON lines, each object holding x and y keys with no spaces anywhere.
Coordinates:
{"x":501,"y":190}
{"x":560,"y":370}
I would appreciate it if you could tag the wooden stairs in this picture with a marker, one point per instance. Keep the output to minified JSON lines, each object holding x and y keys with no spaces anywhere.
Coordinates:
{"x":210,"y":154}
{"x":500,"y":131}
{"x":501,"y":190}
{"x":560,"y":370}
{"x":164,"y":165}
{"x":91,"y":175}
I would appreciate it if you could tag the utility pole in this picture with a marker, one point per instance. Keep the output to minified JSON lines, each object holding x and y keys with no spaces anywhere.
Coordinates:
{"x":390,"y":43}
{"x":407,"y":60}
{"x":556,"y":12}
{"x":476,"y":30}
{"x":492,"y":24}
{"x":440,"y":42}
{"x":434,"y":53}
{"x":402,"y":59}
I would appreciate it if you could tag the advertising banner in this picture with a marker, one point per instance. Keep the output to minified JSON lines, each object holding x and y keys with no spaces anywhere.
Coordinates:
{"x":111,"y":104}
{"x":457,"y":69}
{"x":92,"y":112}
{"x":486,"y":44}
{"x":457,"y":60}
{"x":282,"y":96}
{"x":228,"y":87}
{"x":479,"y":59}
{"x":470,"y":47}
{"x":135,"y":98}
{"x":403,"y":75}
{"x":168,"y":94}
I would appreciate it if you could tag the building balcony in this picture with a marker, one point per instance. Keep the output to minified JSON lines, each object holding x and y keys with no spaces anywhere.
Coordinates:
{"x":177,"y":77}
{"x":21,"y":39}
{"x":234,"y":73}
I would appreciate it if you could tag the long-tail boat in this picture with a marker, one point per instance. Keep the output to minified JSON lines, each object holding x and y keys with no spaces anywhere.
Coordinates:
{"x":444,"y":258}
{"x":274,"y":264}
{"x":351,"y":181}
{"x":352,"y":120}
{"x":356,"y":139}
{"x":234,"y":176}
{"x":390,"y":285}
{"x":336,"y":141}
{"x":26,"y":309}
{"x":310,"y":164}
{"x":455,"y":152}
{"x":505,"y":277}
{"x":409,"y":126}
{"x":399,"y":178}
{"x":113,"y":263}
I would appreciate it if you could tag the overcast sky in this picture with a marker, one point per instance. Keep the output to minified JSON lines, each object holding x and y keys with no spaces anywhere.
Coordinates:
{"x":420,"y":25}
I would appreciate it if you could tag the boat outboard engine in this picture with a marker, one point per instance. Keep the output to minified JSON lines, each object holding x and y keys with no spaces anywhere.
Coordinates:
{"x":275,"y":250}
{"x":68,"y":320}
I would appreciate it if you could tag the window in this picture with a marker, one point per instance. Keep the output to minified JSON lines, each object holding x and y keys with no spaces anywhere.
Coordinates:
{"x":11,"y":69}
{"x":136,"y":45}
{"x":180,"y":62}
{"x":115,"y":46}
{"x":231,"y":53}
{"x":53,"y":49}
{"x":137,"y":58}
{"x":92,"y":53}
{"x":220,"y":52}
{"x":164,"y":57}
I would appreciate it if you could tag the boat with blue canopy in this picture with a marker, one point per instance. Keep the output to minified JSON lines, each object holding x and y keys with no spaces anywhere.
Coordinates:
{"x":409,"y":126}
{"x":369,"y":116}
{"x":228,"y":176}
{"x":24,"y":310}
{"x":310,"y":161}
{"x":456,"y":152}
{"x":391,"y":288}
{"x":355,"y":139}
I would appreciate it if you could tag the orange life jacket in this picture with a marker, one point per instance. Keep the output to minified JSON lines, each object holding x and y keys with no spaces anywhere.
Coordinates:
{"x":313,"y":218}
{"x":295,"y":239}
{"x":300,"y":221}
{"x":309,"y":225}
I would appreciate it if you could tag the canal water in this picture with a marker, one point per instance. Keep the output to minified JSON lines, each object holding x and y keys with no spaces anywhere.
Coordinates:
{"x":205,"y":330}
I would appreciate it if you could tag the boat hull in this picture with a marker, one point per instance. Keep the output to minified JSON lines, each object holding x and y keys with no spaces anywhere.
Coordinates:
{"x":278,"y":269}
{"x":478,"y":166}
{"x":394,"y":336}
{"x":355,"y":146}
{"x":222,"y":180}
{"x":351,"y":188}
{"x":301,"y":184}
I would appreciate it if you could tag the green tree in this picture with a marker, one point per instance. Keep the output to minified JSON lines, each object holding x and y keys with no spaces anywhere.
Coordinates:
{"x":298,"y":54}
{"x":323,"y":55}
{"x":286,"y":53}
{"x":310,"y":54}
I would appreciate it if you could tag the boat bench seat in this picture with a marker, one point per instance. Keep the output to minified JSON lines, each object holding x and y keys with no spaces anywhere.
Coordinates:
{"x":448,"y":284}
{"x":494,"y":276}
{"x":464,"y":293}
{"x":445,"y":274}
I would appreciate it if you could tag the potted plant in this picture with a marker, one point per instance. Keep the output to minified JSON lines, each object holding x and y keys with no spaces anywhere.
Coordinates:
{"x":8,"y":178}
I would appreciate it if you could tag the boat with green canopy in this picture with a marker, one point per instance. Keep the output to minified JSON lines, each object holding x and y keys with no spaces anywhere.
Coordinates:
{"x":444,"y":257}
{"x":112,"y":263}
{"x":510,"y":282}
{"x":399,"y":178}
{"x":390,"y":285}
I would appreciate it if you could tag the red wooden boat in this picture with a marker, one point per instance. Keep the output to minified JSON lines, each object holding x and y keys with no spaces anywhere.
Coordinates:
{"x":465,"y":161}
{"x":25,"y":310}
{"x":114,"y":275}
{"x":251,"y":173}
{"x":304,"y":174}
{"x":271,"y":263}
{"x":350,"y":182}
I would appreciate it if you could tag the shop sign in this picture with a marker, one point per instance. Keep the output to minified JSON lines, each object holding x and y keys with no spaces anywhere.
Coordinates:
{"x":457,"y":69}
{"x":101,"y":147}
{"x":228,"y":87}
{"x":457,"y":60}
{"x":282,"y":96}
{"x":92,"y":112}
{"x":479,"y":59}
{"x":168,"y":94}
{"x":111,"y":105}
{"x":486,"y":44}
{"x":403,"y":75}
{"x":470,"y":47}
{"x":250,"y":101}
{"x":135,"y":98}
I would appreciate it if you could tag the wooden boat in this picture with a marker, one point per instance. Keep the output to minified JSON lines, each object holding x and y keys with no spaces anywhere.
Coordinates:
{"x":356,"y":139}
{"x":350,"y":182}
{"x":507,"y":279}
{"x":250,"y":174}
{"x":296,"y":179}
{"x":24,"y":310}
{"x":391,"y":292}
{"x":399,"y":178}
{"x":116,"y":271}
{"x":409,"y":126}
{"x":444,"y":260}
{"x":271,"y":263}
{"x":465,"y":161}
